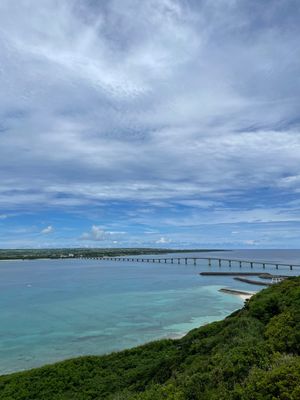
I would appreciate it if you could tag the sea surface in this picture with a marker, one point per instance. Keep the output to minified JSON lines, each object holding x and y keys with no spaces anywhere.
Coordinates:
{"x":51,"y":310}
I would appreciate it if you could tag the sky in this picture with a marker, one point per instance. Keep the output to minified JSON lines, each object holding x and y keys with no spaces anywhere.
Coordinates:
{"x":158,"y":123}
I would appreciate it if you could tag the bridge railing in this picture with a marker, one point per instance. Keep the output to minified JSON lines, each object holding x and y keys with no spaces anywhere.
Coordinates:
{"x":193,"y":260}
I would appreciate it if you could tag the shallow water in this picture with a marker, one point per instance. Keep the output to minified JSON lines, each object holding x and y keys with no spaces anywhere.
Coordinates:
{"x":57,"y":309}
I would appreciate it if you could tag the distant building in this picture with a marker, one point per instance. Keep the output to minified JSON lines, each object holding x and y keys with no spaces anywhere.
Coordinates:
{"x":277,"y":279}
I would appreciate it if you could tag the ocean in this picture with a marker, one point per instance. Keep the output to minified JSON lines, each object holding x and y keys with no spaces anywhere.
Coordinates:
{"x":52,"y":310}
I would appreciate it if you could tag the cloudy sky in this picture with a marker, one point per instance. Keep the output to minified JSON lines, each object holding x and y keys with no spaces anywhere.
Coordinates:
{"x":150,"y":123}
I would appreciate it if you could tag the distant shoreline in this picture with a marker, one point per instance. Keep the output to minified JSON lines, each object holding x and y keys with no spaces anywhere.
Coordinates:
{"x":78,"y":253}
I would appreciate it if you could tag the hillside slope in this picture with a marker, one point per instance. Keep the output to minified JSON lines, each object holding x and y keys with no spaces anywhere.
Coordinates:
{"x":254,"y":354}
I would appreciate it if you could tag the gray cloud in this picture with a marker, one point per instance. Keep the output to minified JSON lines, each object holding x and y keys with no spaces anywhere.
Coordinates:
{"x":184,"y":100}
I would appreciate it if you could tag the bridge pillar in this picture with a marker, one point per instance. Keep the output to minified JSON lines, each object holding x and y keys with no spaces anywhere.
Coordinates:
{"x":172,"y":260}
{"x":209,"y":262}
{"x":291,"y":267}
{"x":240,"y":264}
{"x":251,"y":265}
{"x":195,"y":261}
{"x":264,"y":265}
{"x":220,"y":262}
{"x":159,"y":260}
{"x":229,"y":263}
{"x":185,"y":260}
{"x":178,"y":260}
{"x":276,"y":266}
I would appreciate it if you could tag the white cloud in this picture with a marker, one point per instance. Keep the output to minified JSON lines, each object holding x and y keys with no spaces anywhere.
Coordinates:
{"x":47,"y":230}
{"x":97,"y":233}
{"x":163,"y":240}
{"x":250,"y":242}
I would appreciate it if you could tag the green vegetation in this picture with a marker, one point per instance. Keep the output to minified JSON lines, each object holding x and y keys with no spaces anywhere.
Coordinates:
{"x":254,"y":354}
{"x":33,"y":254}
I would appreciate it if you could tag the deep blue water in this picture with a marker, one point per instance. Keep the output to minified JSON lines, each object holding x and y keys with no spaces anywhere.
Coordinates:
{"x":52,"y":310}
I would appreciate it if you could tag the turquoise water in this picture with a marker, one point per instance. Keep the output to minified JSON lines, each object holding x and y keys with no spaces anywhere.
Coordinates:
{"x":53,"y":310}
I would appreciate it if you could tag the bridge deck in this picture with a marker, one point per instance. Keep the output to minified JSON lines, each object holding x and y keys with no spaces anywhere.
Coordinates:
{"x":194,"y":260}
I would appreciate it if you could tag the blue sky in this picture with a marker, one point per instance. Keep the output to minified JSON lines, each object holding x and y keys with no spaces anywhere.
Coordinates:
{"x":150,"y":123}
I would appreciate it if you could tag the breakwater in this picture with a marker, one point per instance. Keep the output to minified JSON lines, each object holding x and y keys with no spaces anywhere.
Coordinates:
{"x":252,"y":281}
{"x":210,"y":273}
{"x":236,"y":292}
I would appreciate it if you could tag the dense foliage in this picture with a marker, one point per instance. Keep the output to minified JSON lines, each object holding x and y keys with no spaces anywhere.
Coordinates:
{"x":254,"y":354}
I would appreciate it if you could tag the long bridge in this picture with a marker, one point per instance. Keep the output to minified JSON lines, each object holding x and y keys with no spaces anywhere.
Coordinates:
{"x":193,"y":261}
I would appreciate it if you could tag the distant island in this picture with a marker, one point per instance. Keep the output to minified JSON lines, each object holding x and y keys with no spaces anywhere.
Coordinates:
{"x":254,"y":354}
{"x":34,"y":254}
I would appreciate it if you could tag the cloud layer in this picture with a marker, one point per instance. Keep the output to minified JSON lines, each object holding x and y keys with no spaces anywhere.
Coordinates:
{"x":187,"y":108}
